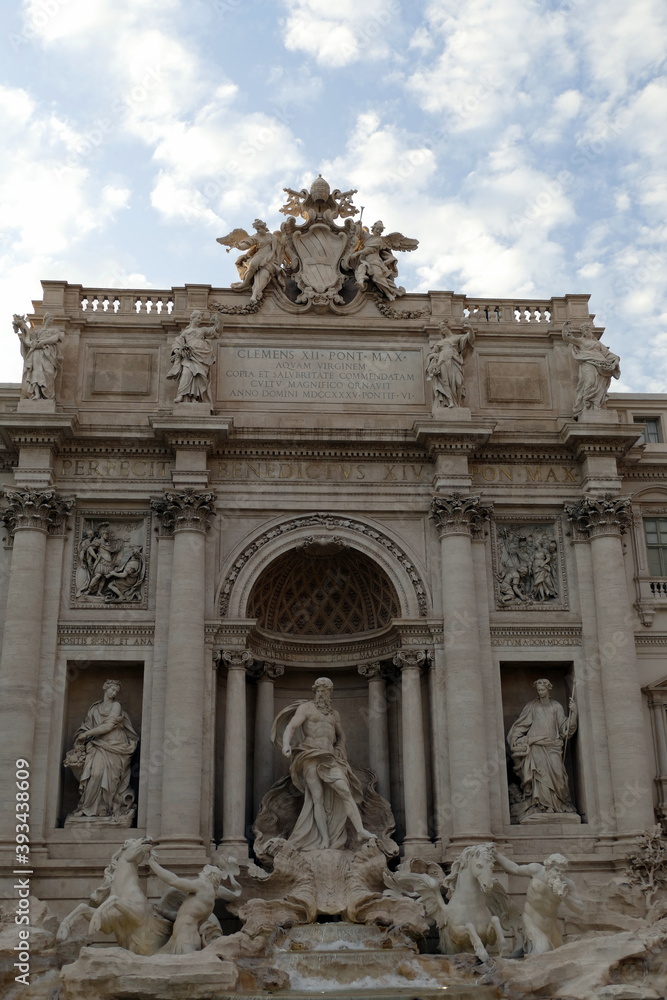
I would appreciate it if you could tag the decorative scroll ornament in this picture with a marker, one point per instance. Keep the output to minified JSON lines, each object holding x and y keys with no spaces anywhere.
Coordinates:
{"x":458,"y":513}
{"x":318,"y":264}
{"x":185,"y":511}
{"x":405,"y":659}
{"x":603,"y":515}
{"x":44,"y":510}
{"x":370,"y":670}
{"x":238,"y":658}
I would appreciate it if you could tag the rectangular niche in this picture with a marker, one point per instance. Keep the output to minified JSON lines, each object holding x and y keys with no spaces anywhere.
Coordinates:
{"x":528,"y":565}
{"x":86,"y":679}
{"x":111,"y":560}
{"x":517,"y":680}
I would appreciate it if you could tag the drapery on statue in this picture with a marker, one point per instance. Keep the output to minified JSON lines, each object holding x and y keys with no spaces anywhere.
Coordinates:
{"x":374,"y":261}
{"x":321,"y":771}
{"x":41,"y":358}
{"x":597,"y":366}
{"x":192,"y":357}
{"x":102,"y":753}
{"x":547,"y":889}
{"x":536,"y":744}
{"x":444,"y":365}
{"x":262,"y":260}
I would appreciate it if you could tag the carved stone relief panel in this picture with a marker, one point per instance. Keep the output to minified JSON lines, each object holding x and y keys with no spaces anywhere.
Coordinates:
{"x":528,"y":566}
{"x":111,"y":558}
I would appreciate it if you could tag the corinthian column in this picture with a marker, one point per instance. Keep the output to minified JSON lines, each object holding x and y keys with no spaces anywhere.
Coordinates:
{"x":458,"y":517}
{"x":603,"y":519}
{"x":234,"y":763}
{"x":414,"y":755}
{"x":29,"y":518}
{"x":187,"y":516}
{"x":378,"y":739}
{"x":264,"y":714}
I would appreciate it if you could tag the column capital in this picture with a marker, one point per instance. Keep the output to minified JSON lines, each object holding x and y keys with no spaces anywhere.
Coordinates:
{"x":406,"y":659}
{"x":265,"y":669}
{"x":458,"y":514}
{"x":185,"y":511}
{"x":599,"y":515}
{"x":370,"y":670}
{"x":41,"y":510}
{"x":236,"y":659}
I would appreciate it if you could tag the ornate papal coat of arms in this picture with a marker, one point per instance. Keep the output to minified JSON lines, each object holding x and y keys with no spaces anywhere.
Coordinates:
{"x":318,"y":263}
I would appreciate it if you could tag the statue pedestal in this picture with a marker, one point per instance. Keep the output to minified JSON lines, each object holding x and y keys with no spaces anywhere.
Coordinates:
{"x":541,"y":819}
{"x":100,"y":822}
{"x":598,"y":417}
{"x":191,"y":409}
{"x":36,"y":406}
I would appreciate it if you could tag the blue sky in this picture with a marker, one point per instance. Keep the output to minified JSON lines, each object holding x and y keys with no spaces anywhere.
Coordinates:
{"x":523,"y":143}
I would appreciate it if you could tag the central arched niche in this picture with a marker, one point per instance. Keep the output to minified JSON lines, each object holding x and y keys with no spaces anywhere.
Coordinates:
{"x":323,"y":590}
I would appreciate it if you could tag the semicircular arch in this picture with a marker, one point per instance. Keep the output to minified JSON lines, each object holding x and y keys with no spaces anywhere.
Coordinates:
{"x":253,"y":556}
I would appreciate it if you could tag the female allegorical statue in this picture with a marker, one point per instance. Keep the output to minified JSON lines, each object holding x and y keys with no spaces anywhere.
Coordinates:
{"x":102,"y":751}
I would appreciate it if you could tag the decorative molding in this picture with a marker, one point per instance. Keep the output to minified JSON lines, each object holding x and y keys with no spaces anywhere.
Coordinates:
{"x":330,"y":522}
{"x":39,"y":510}
{"x":459,"y":514}
{"x":599,"y":515}
{"x":504,"y":563}
{"x":651,"y":640}
{"x":186,"y":511}
{"x":522,"y":635}
{"x":406,"y":659}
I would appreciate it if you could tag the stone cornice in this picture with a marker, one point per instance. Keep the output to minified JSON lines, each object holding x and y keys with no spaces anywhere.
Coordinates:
{"x":441,"y":436}
{"x":202,"y":433}
{"x":585,"y":439}
{"x":458,"y":514}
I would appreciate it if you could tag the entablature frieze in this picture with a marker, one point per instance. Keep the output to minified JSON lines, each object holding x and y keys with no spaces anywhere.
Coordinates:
{"x":526,"y":635}
{"x":111,"y":634}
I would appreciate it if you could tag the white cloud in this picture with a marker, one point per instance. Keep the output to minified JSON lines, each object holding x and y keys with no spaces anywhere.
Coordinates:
{"x":341,"y":33}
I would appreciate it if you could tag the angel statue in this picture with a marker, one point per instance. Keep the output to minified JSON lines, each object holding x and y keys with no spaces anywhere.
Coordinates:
{"x":41,"y":357}
{"x":374,"y":261}
{"x":262,"y":260}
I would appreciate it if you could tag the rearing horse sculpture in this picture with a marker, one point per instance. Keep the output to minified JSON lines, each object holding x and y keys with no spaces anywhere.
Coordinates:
{"x":478,"y":905}
{"x":119,"y":905}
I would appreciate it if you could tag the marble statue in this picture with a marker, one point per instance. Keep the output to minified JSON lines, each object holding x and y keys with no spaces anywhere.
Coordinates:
{"x":528,"y":571}
{"x":41,"y":357}
{"x":192,"y":357}
{"x":547,"y":889}
{"x":478,"y":907}
{"x":373,"y":260}
{"x":102,"y":753}
{"x":444,"y":365}
{"x":262,"y":260}
{"x":109,"y":567}
{"x":597,"y":366}
{"x":314,"y":742}
{"x":536,"y":744}
{"x":202,"y":892}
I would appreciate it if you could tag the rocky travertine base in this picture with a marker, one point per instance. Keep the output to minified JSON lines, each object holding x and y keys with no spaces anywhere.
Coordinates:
{"x":117,"y":974}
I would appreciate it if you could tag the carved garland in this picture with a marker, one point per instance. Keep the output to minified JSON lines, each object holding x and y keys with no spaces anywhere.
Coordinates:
{"x":329,"y":522}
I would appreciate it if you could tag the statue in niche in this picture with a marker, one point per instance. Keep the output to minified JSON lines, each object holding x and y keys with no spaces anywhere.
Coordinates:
{"x":527,"y":565}
{"x":100,"y":759}
{"x":262,"y":260}
{"x":202,"y":892}
{"x":41,"y":357}
{"x":547,"y":889}
{"x":373,"y":260}
{"x":106,"y":570}
{"x":315,"y":805}
{"x":444,"y":365}
{"x":192,"y":357}
{"x":597,"y":366}
{"x":536,"y":742}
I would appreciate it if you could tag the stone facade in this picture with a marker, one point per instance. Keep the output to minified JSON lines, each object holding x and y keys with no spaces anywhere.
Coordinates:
{"x":314,"y":508}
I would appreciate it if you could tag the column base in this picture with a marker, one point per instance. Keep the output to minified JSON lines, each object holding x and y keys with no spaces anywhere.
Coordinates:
{"x":420,"y":847}
{"x":235,"y":847}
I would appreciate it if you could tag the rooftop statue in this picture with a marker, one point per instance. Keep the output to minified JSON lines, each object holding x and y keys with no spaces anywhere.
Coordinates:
{"x":597,"y":366}
{"x":444,"y":365}
{"x":319,"y":263}
{"x":192,"y":357}
{"x":41,"y":357}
